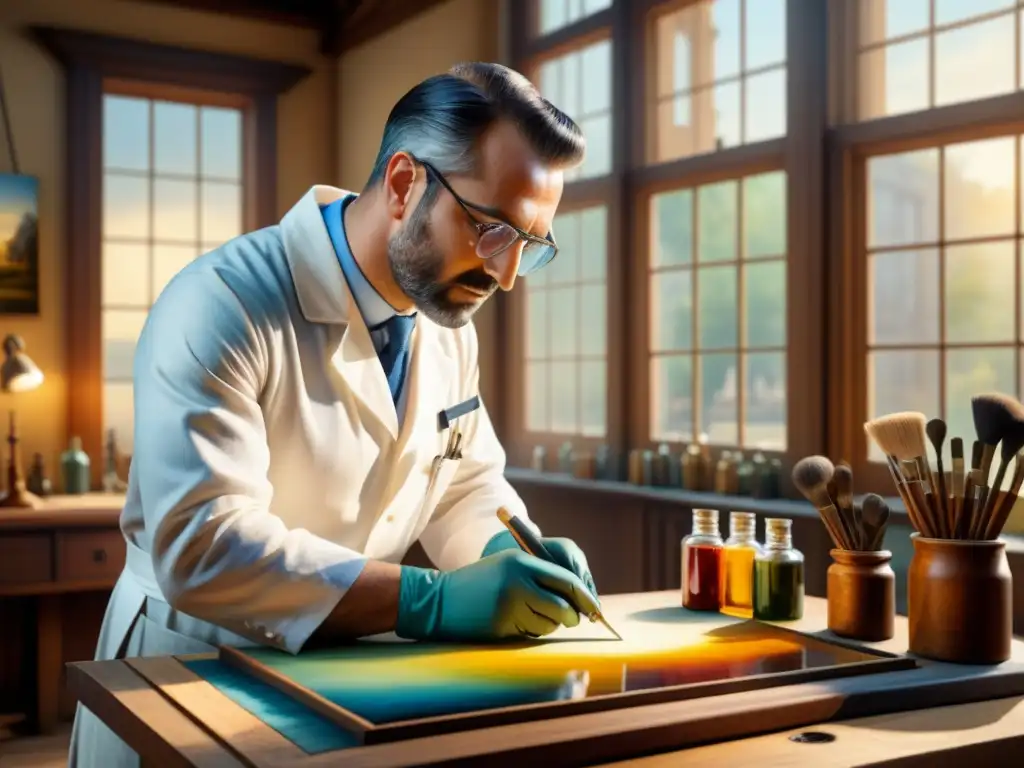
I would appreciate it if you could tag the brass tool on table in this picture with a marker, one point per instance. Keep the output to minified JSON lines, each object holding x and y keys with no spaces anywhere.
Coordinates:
{"x":530,"y":544}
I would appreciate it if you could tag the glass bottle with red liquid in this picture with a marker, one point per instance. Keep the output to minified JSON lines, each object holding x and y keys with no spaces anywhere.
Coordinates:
{"x":702,"y":563}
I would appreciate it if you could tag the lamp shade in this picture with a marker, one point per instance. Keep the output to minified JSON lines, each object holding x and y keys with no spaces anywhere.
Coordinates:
{"x":18,"y":373}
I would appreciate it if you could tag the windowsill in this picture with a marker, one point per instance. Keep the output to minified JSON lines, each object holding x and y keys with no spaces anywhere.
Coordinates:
{"x":785,"y":507}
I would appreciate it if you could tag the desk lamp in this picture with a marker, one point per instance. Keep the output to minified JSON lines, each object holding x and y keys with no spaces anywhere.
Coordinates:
{"x":17,"y":374}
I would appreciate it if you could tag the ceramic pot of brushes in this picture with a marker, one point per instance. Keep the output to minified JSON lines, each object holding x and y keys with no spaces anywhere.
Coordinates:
{"x":959,"y":600}
{"x":862,"y":595}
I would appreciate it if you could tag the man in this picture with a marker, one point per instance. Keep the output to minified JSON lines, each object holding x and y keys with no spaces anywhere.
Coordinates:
{"x":287,"y":393}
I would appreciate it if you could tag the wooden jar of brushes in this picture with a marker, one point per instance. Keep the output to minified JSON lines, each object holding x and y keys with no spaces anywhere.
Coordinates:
{"x":959,"y":586}
{"x":861,"y":583}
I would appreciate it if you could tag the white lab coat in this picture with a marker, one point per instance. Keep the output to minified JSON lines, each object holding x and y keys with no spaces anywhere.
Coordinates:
{"x":270,"y":461}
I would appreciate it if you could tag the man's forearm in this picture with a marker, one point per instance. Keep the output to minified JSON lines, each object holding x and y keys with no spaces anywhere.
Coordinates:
{"x":369,"y":607}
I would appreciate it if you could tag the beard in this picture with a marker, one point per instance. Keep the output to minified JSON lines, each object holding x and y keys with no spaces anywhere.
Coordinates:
{"x":417,"y":266}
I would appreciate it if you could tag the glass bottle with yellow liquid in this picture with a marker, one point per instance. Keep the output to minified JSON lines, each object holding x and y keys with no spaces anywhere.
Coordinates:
{"x":737,"y":574}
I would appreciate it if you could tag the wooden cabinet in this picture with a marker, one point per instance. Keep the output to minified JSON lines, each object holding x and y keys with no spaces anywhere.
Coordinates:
{"x":57,"y":567}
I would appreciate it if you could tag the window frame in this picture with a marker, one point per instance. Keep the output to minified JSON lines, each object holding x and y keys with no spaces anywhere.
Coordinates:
{"x":851,"y":144}
{"x":627,"y":190}
{"x":91,"y":60}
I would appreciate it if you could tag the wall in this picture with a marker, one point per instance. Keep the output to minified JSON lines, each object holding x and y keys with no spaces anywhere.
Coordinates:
{"x":35,"y":96}
{"x":372,"y":77}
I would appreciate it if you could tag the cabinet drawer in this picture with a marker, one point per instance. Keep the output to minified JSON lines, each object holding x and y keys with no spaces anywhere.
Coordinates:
{"x":25,"y":558}
{"x":90,"y":555}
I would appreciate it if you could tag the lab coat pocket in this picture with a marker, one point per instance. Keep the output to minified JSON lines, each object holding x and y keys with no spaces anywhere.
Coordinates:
{"x":442,"y":471}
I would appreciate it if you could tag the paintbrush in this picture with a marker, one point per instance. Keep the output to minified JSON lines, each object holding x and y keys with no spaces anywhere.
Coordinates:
{"x":875,"y":515}
{"x":842,"y":480}
{"x":1006,"y":502}
{"x":811,"y":476}
{"x":994,"y":415}
{"x":973,"y":493}
{"x":935,"y":429}
{"x":901,"y":437}
{"x":956,"y":449}
{"x":1011,"y":444}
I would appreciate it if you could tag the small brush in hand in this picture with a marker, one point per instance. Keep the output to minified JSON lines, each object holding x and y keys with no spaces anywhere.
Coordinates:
{"x":811,"y":476}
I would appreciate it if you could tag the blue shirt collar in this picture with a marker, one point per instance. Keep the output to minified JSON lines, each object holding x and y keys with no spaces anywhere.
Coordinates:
{"x":372,"y":306}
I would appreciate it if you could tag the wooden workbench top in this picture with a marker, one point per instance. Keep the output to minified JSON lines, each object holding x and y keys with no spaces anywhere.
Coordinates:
{"x":175,"y":717}
{"x":87,"y":510}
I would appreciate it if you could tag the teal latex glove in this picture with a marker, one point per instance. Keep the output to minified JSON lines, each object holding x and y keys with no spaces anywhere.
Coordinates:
{"x":565,"y":551}
{"x":505,"y":595}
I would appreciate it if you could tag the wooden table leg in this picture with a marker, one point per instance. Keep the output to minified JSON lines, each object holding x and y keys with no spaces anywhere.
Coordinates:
{"x":48,"y":662}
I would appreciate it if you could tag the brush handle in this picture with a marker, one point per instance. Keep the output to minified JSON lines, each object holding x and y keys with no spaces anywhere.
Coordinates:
{"x":977,"y":521}
{"x":1006,"y":502}
{"x":908,"y":504}
{"x":945,"y":507}
{"x":916,"y":491}
{"x":961,"y":523}
{"x":958,"y":478}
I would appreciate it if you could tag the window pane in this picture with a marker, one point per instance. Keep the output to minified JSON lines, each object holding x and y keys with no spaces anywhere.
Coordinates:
{"x":126,"y":275}
{"x":565,"y":267}
{"x":726,"y":127}
{"x":764,"y":395}
{"x":593,"y":320}
{"x":904,"y":297}
{"x":536,"y":324}
{"x":764,"y":214}
{"x":221,"y":137}
{"x":537,"y":397}
{"x":903,"y":200}
{"x":169,"y":260}
{"x":125,"y":133}
{"x":723,"y":27}
{"x":221,"y":217}
{"x":555,"y":14}
{"x":718,"y":398}
{"x":950,"y":11}
{"x":121,"y":329}
{"x":764,"y":284}
{"x":717,"y":308}
{"x":970,"y":371}
{"x":672,"y":398}
{"x":593,"y":243}
{"x":893,"y":80}
{"x":717,"y":222}
{"x":902,"y":380}
{"x":671,"y":299}
{"x":765,"y":108}
{"x":672,"y":228}
{"x":118,"y":413}
{"x":598,"y":132}
{"x":125,"y":206}
{"x":564,"y":388}
{"x":980,"y":292}
{"x":596,"y":92}
{"x":980,"y":188}
{"x":175,"y":214}
{"x":594,"y":398}
{"x":564,"y":320}
{"x":976,"y":61}
{"x":765,"y":32}
{"x":175,"y":129}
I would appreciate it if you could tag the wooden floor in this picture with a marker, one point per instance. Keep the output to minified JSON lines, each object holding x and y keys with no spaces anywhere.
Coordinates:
{"x":37,"y":751}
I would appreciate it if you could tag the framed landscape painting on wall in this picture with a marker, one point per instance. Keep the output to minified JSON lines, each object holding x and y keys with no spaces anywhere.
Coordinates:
{"x":19,"y":244}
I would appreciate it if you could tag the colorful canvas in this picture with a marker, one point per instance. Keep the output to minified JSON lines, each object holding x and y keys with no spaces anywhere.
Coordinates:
{"x":388,"y":690}
{"x":19,"y":244}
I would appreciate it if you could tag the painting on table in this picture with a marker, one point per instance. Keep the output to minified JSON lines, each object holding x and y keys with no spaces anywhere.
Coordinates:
{"x":19,"y":244}
{"x":387,"y":690}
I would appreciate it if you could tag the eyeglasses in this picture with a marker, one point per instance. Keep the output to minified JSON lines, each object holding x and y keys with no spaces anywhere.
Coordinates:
{"x":495,"y":237}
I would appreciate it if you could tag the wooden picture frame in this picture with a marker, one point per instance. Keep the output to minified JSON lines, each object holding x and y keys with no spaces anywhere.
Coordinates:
{"x":369,"y":733}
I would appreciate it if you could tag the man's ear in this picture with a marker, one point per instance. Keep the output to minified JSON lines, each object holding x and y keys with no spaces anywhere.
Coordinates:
{"x":399,"y":184}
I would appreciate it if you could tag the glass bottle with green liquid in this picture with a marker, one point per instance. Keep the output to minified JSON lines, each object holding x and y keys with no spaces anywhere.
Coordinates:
{"x":778,"y":575}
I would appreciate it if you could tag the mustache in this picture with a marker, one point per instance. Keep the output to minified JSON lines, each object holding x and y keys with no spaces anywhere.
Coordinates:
{"x":479,"y":281}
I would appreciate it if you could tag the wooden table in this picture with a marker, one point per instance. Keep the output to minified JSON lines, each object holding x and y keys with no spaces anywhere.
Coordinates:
{"x":71,"y":544}
{"x":172,"y":717}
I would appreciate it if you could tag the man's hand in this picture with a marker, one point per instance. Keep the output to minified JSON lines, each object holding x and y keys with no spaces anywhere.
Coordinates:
{"x":565,"y":551}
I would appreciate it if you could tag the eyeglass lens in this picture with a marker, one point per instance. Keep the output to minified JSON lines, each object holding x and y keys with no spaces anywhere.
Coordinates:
{"x":497,"y":239}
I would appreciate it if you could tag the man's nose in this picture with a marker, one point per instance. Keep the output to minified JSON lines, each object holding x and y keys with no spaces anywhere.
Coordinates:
{"x":504,"y":266}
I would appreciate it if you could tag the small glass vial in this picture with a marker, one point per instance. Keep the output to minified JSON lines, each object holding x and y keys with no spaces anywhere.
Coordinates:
{"x":702,"y":563}
{"x":737,"y":591}
{"x":778,"y":575}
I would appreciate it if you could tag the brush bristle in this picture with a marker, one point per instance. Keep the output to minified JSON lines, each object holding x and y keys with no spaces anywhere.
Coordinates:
{"x":956,"y":448}
{"x":873,"y":501}
{"x":843,"y":479}
{"x":994,"y":414}
{"x":811,"y":475}
{"x":936,"y":431}
{"x":899,"y":434}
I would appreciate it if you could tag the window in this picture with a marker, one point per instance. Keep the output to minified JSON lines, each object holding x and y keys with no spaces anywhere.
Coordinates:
{"x":719,"y":77}
{"x":172,"y":190}
{"x":566,"y":329}
{"x":917,"y":54}
{"x":556,"y":14}
{"x":718,"y":313}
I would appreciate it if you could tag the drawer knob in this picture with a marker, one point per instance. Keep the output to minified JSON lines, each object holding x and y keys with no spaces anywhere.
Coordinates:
{"x":99,"y":556}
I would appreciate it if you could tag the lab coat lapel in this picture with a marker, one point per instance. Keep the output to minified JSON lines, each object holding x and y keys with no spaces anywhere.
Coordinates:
{"x":429,"y":380}
{"x":324,"y":297}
